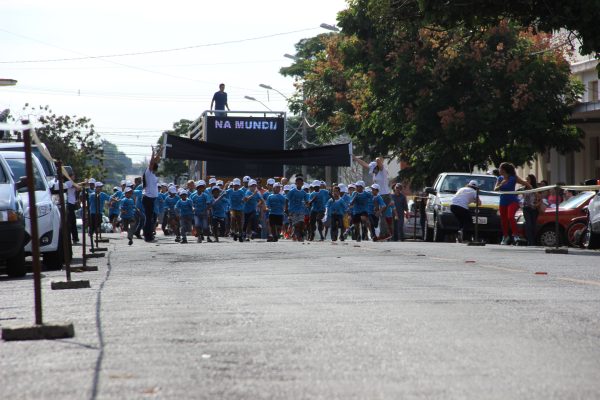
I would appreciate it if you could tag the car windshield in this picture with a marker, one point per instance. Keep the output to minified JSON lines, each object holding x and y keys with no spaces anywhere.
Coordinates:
{"x":576,"y":201}
{"x":452,"y":183}
{"x":17,"y":165}
{"x":46,"y":165}
{"x":3,"y":177}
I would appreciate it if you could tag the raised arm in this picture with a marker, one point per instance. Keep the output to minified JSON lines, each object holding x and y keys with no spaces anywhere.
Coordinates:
{"x":360,"y":161}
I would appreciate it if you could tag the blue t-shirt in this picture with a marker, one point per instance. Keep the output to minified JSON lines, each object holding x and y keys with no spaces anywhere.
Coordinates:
{"x":161,"y":202}
{"x":102,"y":198}
{"x":337,"y":207}
{"x":220,"y":99}
{"x":252,"y":202}
{"x":127,"y":208}
{"x":137,"y":198}
{"x":236,"y":198}
{"x":184,"y":208}
{"x":389,"y":211}
{"x":201,"y":202}
{"x":375,"y":203}
{"x":219,"y":207}
{"x":170,"y":202}
{"x":276,"y":204}
{"x":114,"y":207}
{"x":296,"y":199}
{"x":509,"y":186}
{"x":361,"y":202}
{"x":319,"y":200}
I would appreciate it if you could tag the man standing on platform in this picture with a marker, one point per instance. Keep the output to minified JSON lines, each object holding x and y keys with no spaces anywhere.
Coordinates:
{"x":219,"y":101}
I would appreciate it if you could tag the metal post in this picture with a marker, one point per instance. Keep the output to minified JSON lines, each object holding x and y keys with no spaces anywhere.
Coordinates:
{"x":416,"y":201}
{"x":476,"y":241}
{"x":84,"y":219}
{"x":304,"y":140}
{"x":35,"y":245}
{"x":63,"y":222}
{"x":556,"y":224}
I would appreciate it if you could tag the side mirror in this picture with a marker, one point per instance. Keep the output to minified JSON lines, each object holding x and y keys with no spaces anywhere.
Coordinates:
{"x":430,"y":190}
{"x":21,"y":183}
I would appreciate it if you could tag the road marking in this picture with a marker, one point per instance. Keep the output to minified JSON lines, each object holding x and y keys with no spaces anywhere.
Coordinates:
{"x":580,"y":281}
{"x":502,"y":268}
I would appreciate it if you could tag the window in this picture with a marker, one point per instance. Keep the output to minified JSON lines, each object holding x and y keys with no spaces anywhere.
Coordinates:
{"x":17,"y":165}
{"x":593,"y":91}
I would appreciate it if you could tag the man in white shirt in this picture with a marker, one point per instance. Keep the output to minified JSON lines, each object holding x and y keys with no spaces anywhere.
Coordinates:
{"x":150,"y":193}
{"x":72,"y":205}
{"x":460,"y":206}
{"x":380,"y":177}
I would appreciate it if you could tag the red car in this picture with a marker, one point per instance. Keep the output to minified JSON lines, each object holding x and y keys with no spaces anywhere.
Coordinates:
{"x":567,"y":211}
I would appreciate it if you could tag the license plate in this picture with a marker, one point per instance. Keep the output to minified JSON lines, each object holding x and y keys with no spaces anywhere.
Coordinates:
{"x":482,"y":220}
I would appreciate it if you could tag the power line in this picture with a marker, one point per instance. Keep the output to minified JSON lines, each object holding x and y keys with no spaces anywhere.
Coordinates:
{"x":139,"y":53}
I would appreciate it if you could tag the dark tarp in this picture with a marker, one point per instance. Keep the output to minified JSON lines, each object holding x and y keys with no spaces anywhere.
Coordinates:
{"x":179,"y":148}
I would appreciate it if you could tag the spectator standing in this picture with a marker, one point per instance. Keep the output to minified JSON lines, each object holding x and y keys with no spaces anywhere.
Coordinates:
{"x":400,"y":204}
{"x":531,"y":205}
{"x":460,"y":207}
{"x":150,"y":194}
{"x":509,"y":203}
{"x":219,"y":101}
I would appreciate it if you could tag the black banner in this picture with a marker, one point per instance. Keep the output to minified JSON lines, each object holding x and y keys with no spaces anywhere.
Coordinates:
{"x":338,"y":155}
{"x":263,"y":133}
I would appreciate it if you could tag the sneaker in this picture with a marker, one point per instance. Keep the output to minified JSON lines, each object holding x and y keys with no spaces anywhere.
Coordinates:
{"x":216,"y":239}
{"x":504,"y":241}
{"x":241,"y":239}
{"x":199,"y":240}
{"x":130,"y":242}
{"x":517,"y":240}
{"x":184,"y":240}
{"x":178,"y":239}
{"x":208,"y":239}
{"x":459,"y":236}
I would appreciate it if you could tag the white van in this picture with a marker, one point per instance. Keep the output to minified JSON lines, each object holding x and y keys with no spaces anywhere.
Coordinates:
{"x":48,"y":213}
{"x":48,"y":168}
{"x":12,"y":225}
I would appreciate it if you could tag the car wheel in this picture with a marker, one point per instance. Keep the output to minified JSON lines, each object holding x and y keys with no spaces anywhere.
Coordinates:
{"x":438,"y":232}
{"x":574,"y":232}
{"x":591,"y":240}
{"x":15,"y":266}
{"x":547,"y":237}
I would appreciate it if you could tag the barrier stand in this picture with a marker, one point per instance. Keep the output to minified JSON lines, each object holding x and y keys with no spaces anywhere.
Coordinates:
{"x":84,"y":217}
{"x":40,"y":330}
{"x":69,"y":284}
{"x":476,"y":241}
{"x":557,"y":249}
{"x":415,"y":214}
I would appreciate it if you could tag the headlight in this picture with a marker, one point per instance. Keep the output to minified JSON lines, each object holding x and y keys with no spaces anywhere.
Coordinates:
{"x":8,"y":216}
{"x":42,"y":209}
{"x":446,"y":209}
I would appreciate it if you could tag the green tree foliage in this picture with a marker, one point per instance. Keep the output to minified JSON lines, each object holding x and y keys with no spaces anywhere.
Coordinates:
{"x":116,"y":162}
{"x":579,"y":17}
{"x":70,"y":139}
{"x":440,"y":99}
{"x":174,"y":169}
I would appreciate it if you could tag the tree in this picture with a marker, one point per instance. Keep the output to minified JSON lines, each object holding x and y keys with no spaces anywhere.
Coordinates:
{"x":440,"y":99}
{"x":117,"y":164}
{"x":71,"y":139}
{"x":578,"y":17}
{"x":175,"y":168}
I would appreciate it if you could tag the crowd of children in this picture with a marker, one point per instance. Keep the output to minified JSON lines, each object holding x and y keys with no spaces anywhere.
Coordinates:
{"x":243,"y":210}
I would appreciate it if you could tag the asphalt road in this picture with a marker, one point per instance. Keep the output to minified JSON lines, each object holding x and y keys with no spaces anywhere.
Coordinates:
{"x":313,"y":321}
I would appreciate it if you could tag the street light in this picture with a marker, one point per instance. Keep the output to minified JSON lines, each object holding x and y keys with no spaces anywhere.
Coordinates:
{"x":291,"y":57}
{"x":269,"y":87}
{"x":7,"y":82}
{"x":330,"y":27}
{"x":258,"y":101}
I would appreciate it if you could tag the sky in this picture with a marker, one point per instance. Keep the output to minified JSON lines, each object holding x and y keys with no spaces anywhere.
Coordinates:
{"x":132,"y":99}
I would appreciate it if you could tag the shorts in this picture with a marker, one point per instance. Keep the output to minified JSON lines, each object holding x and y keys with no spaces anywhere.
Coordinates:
{"x":113,"y":218}
{"x":275,"y":219}
{"x":356,"y":218}
{"x":296,"y":218}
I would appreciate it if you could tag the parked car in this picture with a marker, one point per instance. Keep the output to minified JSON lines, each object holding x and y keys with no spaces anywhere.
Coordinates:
{"x":50,"y":239}
{"x":568,"y":210}
{"x":591,"y":235}
{"x":49,"y":169}
{"x":442,"y":224}
{"x":12,"y":223}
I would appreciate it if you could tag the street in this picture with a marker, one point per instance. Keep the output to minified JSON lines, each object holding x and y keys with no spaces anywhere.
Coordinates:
{"x":317,"y":320}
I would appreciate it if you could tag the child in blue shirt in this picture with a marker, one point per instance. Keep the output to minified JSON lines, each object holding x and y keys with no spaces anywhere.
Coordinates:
{"x":218,"y":207}
{"x":127,"y":209}
{"x":275,"y":206}
{"x":336,"y":209}
{"x":185,"y":211}
{"x":172,"y":219}
{"x":201,"y":201}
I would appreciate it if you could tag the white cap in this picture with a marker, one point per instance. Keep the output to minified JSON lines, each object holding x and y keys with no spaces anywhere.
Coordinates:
{"x":220,"y":183}
{"x":372,"y":166}
{"x":251,"y":182}
{"x":115,"y":188}
{"x":287,"y":188}
{"x":164,"y":185}
{"x":91,"y":180}
{"x":270,"y":181}
{"x":276,"y":184}
{"x":236,"y":181}
{"x":99,"y":184}
{"x":473,"y":184}
{"x":352,"y":185}
{"x":123,"y":182}
{"x":212,"y":180}
{"x":172,"y":189}
{"x":316,"y":184}
{"x":128,"y":183}
{"x":246,"y":178}
{"x":305,"y":186}
{"x":360,"y":183}
{"x":183,"y":191}
{"x":368,"y":189}
{"x":375,"y":186}
{"x":128,"y":189}
{"x":215,"y":188}
{"x":343,"y":188}
{"x":323,"y":183}
{"x":200,"y":183}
